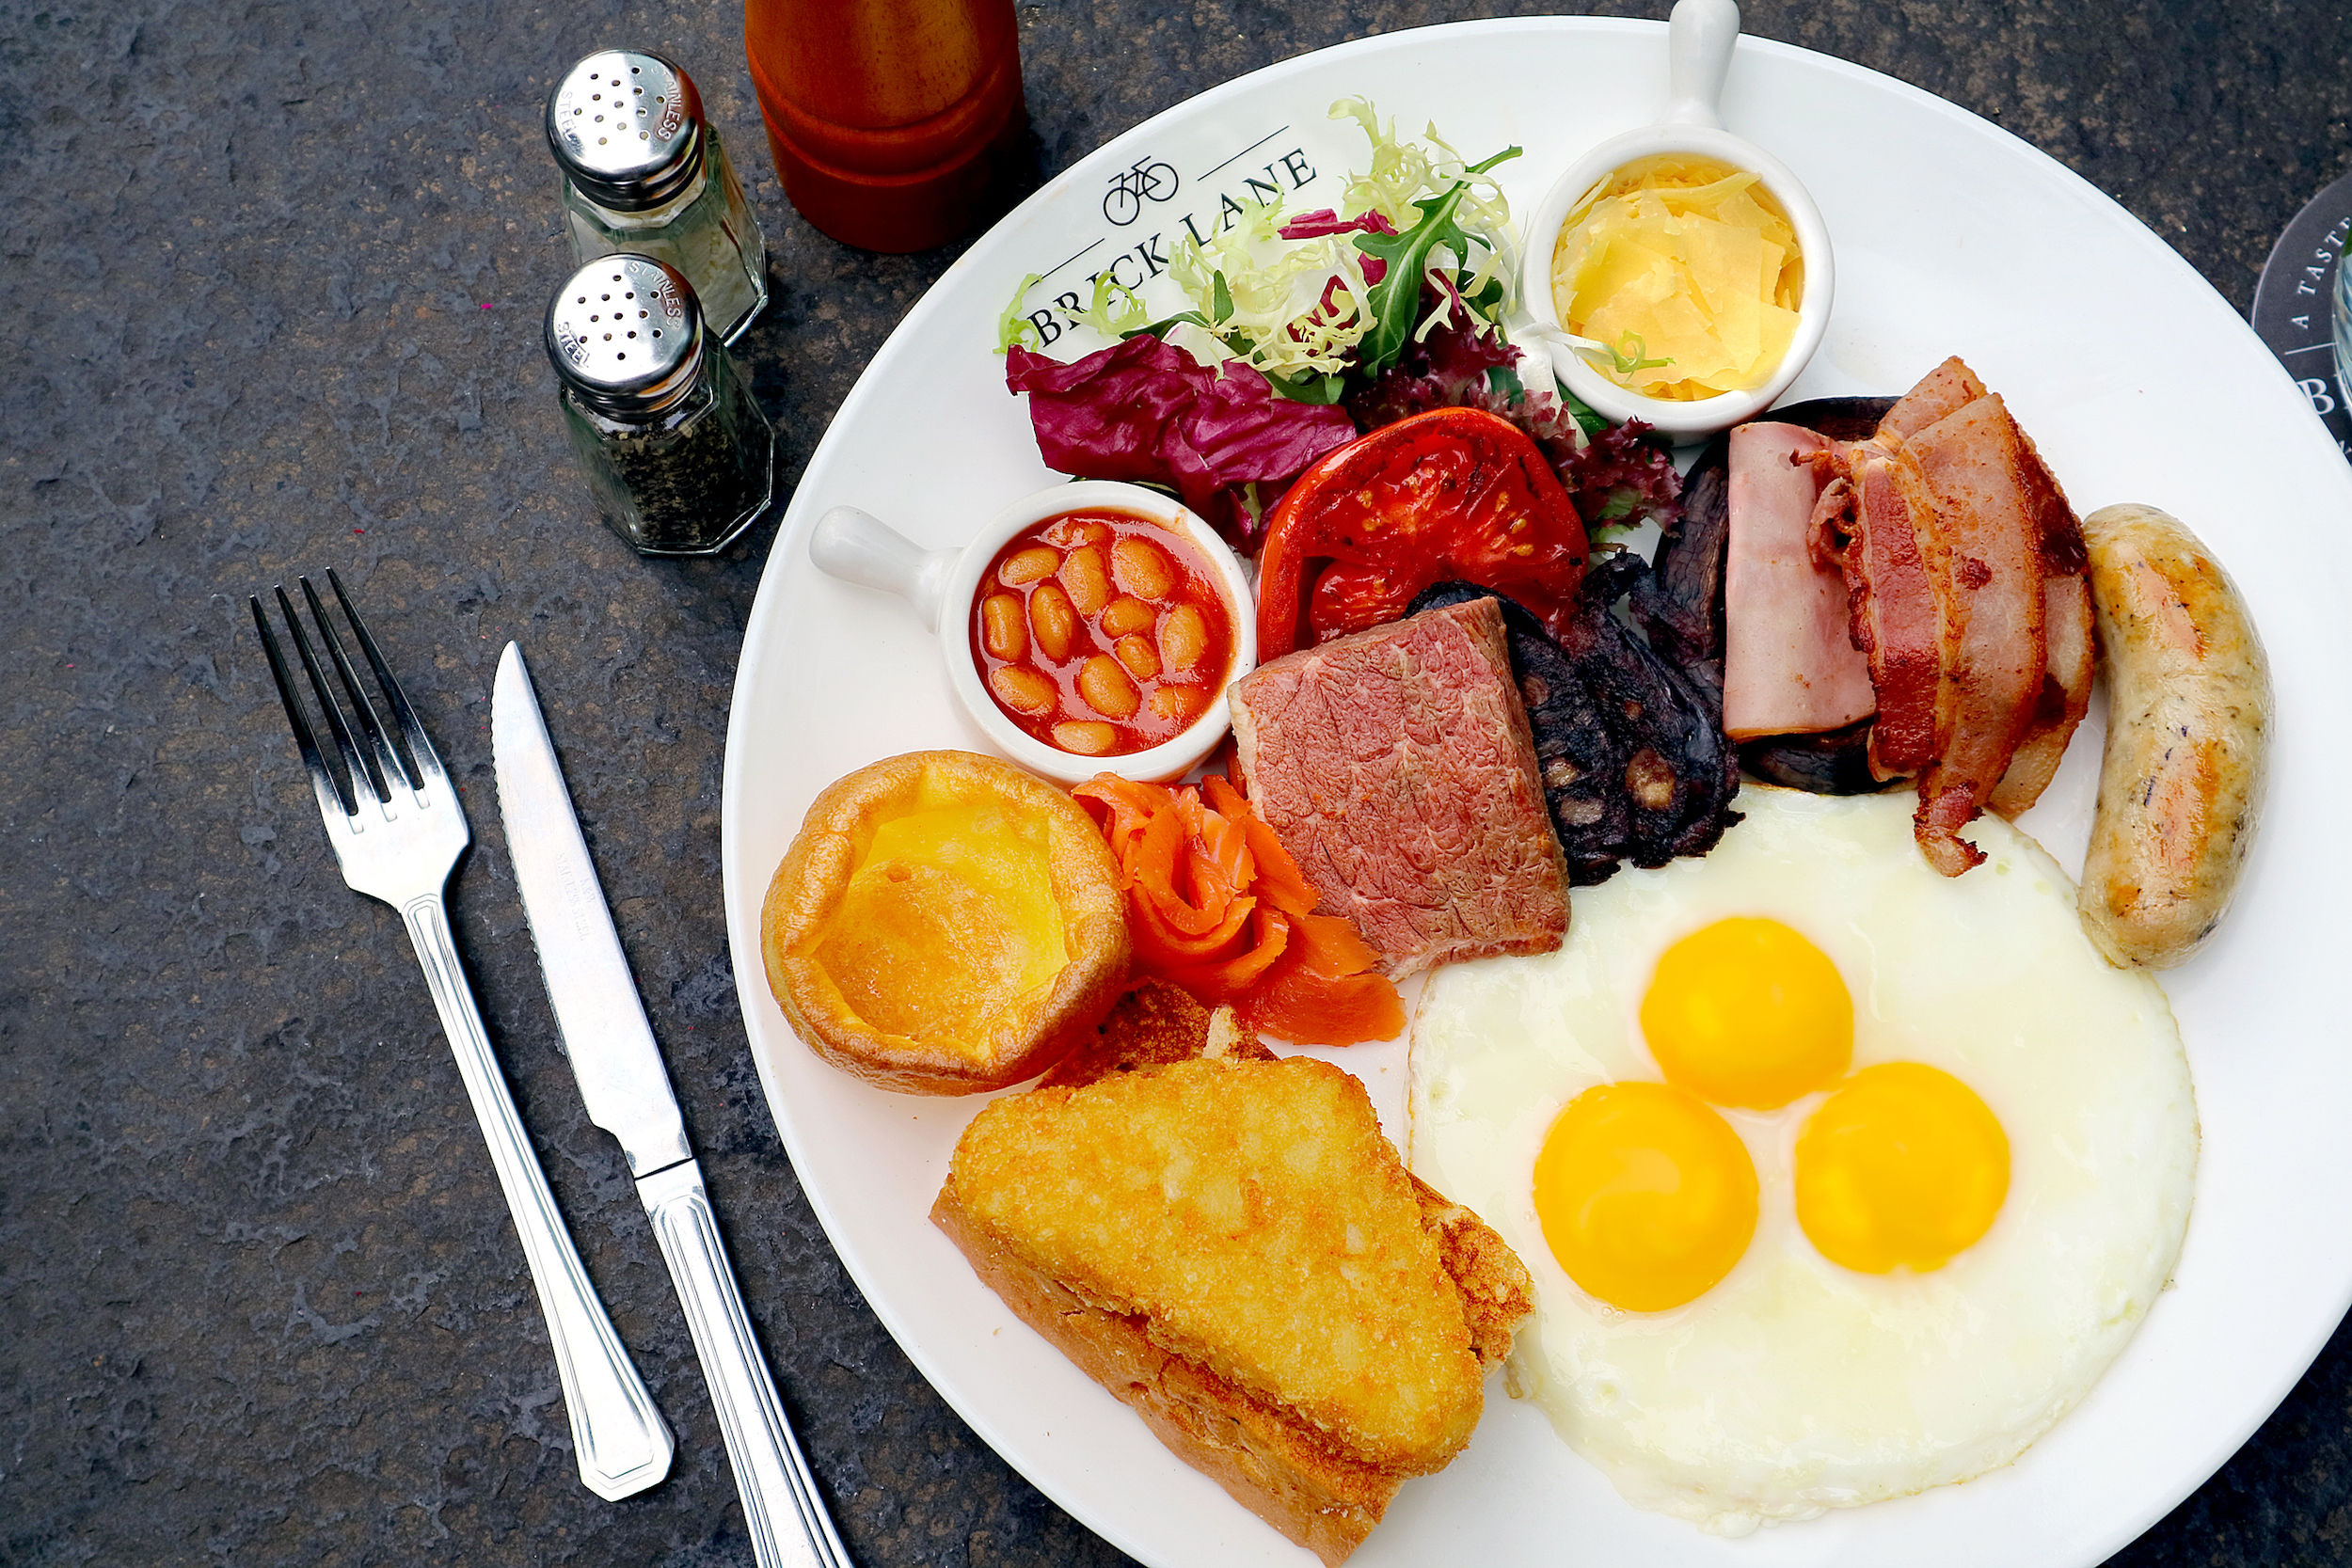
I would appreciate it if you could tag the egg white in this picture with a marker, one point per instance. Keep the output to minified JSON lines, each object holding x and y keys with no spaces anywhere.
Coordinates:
{"x":1796,"y":1385}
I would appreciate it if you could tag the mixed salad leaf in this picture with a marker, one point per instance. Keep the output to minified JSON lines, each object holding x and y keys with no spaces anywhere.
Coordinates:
{"x":1301,"y":333}
{"x":1148,"y":412}
{"x":1617,"y":476}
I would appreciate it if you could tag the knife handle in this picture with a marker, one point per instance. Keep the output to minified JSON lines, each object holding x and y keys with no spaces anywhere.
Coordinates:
{"x":619,"y":1438}
{"x":788,"y":1524}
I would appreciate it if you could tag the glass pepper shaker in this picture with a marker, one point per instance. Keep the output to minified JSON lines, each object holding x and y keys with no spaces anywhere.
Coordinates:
{"x":678,"y":455}
{"x":645,"y":172}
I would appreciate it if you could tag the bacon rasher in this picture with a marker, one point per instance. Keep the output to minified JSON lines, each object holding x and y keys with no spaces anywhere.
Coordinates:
{"x":1790,"y":665}
{"x":1965,"y":570}
{"x":2065,"y":694}
{"x":1972,"y":461}
{"x":1877,"y":521}
{"x":1946,"y":389}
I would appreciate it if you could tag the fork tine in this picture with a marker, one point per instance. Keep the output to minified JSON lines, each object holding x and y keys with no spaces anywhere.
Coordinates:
{"x":355,"y":760}
{"x":428,"y":760}
{"x":388,"y":758}
{"x":323,"y":781}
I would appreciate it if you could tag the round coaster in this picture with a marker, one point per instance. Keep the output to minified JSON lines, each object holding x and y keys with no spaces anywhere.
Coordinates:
{"x":2293,"y":304}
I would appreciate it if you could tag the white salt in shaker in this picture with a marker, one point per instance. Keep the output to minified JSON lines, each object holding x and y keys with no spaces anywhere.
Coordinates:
{"x":645,"y":172}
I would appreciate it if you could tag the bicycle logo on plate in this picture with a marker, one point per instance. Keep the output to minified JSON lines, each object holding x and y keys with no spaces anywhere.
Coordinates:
{"x":1150,"y":179}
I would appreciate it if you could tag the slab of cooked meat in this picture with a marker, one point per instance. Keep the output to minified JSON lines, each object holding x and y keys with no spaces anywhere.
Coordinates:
{"x":1680,"y":604}
{"x":1397,"y":766}
{"x":2066,"y":612}
{"x":1631,"y":750}
{"x":1996,"y":727}
{"x":1946,"y":389}
{"x":2001,"y":446}
{"x":1974,"y":462}
{"x":1964,"y":565}
{"x":1878,"y":522}
{"x":1790,"y":666}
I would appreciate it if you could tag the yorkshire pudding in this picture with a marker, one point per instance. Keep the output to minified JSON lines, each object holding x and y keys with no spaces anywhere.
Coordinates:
{"x":945,"y":924}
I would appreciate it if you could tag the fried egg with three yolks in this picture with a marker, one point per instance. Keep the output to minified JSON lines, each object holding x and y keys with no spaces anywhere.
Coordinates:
{"x":1838,"y":1179}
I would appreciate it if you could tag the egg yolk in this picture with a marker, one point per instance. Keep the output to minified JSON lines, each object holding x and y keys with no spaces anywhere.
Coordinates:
{"x":1647,"y":1197}
{"x":1902,"y":1167}
{"x":1746,"y":1012}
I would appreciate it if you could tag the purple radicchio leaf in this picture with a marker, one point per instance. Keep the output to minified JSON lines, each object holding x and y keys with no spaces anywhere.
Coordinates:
{"x":1147,"y":412}
{"x":1327,"y":220}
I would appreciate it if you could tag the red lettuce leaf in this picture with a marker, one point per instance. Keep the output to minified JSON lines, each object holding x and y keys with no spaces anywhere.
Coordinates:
{"x":1146,"y":411}
{"x":1623,"y":475}
{"x":1327,"y":220}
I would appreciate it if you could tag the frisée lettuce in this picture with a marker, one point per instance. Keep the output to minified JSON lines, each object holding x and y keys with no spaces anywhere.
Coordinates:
{"x":1297,"y":333}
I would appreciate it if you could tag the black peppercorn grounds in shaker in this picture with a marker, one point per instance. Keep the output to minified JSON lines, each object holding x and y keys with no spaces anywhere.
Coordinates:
{"x":677,"y":452}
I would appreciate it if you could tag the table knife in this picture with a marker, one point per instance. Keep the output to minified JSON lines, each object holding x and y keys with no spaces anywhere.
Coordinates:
{"x":611,"y":1050}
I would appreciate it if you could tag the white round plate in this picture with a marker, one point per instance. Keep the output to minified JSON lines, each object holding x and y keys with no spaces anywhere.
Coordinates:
{"x":2137,"y":381}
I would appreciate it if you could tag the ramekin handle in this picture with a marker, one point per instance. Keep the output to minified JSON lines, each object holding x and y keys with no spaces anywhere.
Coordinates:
{"x":857,"y":546}
{"x":1699,"y":35}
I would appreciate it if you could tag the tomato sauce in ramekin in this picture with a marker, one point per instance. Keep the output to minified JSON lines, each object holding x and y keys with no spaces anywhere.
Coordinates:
{"x":1101,"y":633}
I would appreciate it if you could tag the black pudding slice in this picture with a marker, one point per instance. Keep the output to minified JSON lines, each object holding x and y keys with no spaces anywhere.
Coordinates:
{"x":1631,"y":752}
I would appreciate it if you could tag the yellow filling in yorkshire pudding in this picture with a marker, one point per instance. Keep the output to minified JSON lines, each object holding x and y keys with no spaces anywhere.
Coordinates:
{"x":949,"y":920}
{"x":945,"y":924}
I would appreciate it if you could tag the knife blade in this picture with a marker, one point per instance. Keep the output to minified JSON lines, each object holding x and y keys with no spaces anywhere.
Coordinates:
{"x":610,"y":1047}
{"x":596,"y":1009}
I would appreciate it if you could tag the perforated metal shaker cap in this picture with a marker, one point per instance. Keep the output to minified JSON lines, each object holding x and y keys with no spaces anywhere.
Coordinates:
{"x":626,"y":127}
{"x":626,"y":333}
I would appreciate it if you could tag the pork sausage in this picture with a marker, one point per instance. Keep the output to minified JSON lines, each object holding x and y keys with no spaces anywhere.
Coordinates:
{"x":2188,"y":729}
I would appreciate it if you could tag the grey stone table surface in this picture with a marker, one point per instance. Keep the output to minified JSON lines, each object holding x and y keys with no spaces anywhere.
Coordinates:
{"x":271,"y":304}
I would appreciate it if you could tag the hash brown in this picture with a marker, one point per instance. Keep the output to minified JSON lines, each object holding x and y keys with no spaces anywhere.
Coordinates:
{"x":1229,"y":1245}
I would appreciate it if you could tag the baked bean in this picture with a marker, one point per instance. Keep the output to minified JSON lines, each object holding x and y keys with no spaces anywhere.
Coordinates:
{"x":1074,"y":530}
{"x":1021,"y":690}
{"x":1053,"y":620}
{"x":1128,"y":617}
{"x":1102,"y":633}
{"x":1184,"y":638}
{"x":1086,"y":738}
{"x":1107,"y":689}
{"x":1087,"y":578}
{"x":1179,"y":705}
{"x":1003,"y":630}
{"x":1142,"y":568}
{"x":1028,"y":566}
{"x":1136,"y":653}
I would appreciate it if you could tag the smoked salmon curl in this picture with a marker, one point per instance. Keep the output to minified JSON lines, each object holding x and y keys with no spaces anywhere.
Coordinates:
{"x":1217,"y":904}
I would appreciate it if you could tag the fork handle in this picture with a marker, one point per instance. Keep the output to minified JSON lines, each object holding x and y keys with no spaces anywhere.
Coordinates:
{"x":619,"y":1438}
{"x":788,"y":1524}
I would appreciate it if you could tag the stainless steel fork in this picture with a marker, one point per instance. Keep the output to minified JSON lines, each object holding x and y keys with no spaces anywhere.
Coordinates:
{"x":398,"y":830}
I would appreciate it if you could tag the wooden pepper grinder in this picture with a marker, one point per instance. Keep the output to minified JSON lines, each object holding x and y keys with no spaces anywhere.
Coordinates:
{"x":893,"y":122}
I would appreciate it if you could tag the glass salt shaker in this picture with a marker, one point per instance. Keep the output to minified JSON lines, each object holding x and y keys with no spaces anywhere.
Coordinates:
{"x":645,"y":172}
{"x":677,"y":453}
